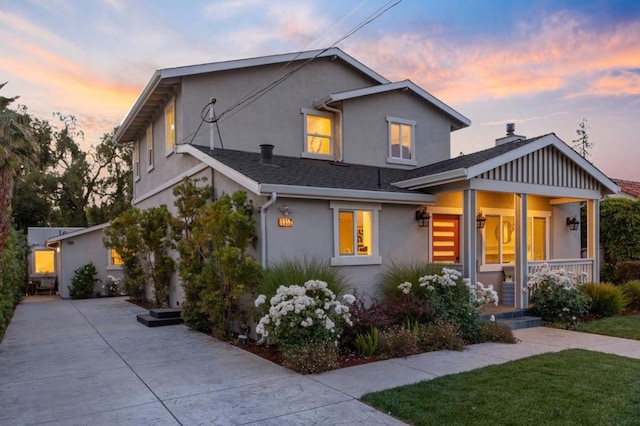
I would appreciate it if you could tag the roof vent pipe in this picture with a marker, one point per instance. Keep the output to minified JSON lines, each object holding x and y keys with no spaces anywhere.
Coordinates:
{"x":266,"y":153}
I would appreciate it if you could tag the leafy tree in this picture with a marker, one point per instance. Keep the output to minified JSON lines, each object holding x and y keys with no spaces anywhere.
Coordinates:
{"x":619,"y":230}
{"x":156,"y":243}
{"x":190,"y":199}
{"x":582,"y":144}
{"x":223,"y":232}
{"x":124,"y":236}
{"x":13,"y":275}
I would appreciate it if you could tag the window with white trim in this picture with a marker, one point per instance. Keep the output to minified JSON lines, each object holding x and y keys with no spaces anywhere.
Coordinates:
{"x":44,"y":262}
{"x":114,"y":260}
{"x":401,"y":141}
{"x":149,"y":148}
{"x":318,"y":133}
{"x":499,"y":237}
{"x":170,"y":126}
{"x":355,"y":230}
{"x":136,"y":160}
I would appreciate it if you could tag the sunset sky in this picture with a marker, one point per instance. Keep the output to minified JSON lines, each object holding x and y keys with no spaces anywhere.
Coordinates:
{"x":542,"y":64}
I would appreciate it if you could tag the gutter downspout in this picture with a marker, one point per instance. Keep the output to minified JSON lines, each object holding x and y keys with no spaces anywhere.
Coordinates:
{"x":263,"y":229}
{"x":339,"y":113}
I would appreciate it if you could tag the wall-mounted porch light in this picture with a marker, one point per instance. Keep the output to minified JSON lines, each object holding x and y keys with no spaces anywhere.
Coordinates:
{"x":480,"y":220}
{"x":422,"y":217}
{"x":573,"y":223}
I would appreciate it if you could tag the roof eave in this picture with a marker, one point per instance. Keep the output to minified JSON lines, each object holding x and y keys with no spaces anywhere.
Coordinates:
{"x":137,"y":106}
{"x":432,"y":180}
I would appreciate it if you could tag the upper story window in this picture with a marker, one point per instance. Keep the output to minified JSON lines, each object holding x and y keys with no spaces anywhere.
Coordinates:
{"x":355,"y":230}
{"x":319,"y":134}
{"x":170,"y":126}
{"x":150,"y":148}
{"x":136,"y":160}
{"x":44,"y":262}
{"x":401,"y":141}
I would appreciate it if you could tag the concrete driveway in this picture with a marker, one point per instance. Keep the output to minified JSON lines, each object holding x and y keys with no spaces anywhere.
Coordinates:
{"x":87,"y":362}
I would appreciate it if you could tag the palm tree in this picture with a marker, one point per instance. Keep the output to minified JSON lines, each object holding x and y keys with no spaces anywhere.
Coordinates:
{"x":17,"y":151}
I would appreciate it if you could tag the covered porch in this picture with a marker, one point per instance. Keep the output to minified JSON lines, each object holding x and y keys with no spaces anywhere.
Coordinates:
{"x":506,"y":211}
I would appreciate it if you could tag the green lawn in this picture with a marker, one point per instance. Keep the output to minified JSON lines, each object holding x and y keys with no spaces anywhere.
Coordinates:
{"x":572,"y":387}
{"x":624,"y":326}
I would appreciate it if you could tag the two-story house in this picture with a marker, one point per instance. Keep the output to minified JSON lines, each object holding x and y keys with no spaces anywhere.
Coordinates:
{"x":349,"y":167}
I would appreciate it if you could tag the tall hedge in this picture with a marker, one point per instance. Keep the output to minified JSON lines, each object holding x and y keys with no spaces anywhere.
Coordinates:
{"x":13,"y":276}
{"x":619,"y":233}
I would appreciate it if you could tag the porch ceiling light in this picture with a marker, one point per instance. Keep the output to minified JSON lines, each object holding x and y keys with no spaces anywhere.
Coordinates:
{"x":422,"y":217}
{"x":573,"y":223}
{"x":480,"y":220}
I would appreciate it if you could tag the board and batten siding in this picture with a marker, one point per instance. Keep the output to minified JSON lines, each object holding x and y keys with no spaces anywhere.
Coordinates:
{"x":547,"y":166}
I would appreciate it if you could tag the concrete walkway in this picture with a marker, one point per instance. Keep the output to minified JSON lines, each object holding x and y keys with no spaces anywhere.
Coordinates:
{"x":90,"y":362}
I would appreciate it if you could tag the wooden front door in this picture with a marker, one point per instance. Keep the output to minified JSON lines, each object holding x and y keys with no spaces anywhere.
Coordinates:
{"x":445,"y":238}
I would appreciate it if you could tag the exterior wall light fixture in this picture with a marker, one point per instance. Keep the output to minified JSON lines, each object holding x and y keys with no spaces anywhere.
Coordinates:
{"x":480,"y":220}
{"x":573,"y":223}
{"x":422,"y":217}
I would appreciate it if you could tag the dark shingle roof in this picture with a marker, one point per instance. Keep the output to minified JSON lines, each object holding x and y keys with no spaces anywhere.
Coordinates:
{"x":468,"y":160}
{"x":329,"y":174}
{"x":309,"y":172}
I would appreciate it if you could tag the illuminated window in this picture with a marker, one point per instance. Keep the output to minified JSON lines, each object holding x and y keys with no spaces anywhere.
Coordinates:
{"x":401,"y":141}
{"x":536,"y":238}
{"x":114,"y":258}
{"x":149,"y":148}
{"x":355,"y":233}
{"x":44,"y":262}
{"x":170,"y":126}
{"x":318,"y":130}
{"x":500,"y":238}
{"x":136,"y":160}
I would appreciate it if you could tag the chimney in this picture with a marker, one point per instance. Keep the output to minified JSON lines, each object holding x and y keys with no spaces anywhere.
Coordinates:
{"x":266,"y":154}
{"x":511,"y":136}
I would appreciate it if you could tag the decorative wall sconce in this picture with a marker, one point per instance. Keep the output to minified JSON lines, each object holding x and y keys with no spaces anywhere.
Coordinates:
{"x":573,"y":223}
{"x":422,"y":217}
{"x":480,"y":220}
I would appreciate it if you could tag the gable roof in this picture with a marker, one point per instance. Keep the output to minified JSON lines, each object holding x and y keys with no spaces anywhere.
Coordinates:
{"x":474,"y":165}
{"x":628,"y":187}
{"x":78,"y":232}
{"x":459,"y":120}
{"x":307,"y":178}
{"x":160,"y":87}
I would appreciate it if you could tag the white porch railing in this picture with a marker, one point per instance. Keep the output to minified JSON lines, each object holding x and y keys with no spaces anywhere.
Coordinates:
{"x":572,"y":266}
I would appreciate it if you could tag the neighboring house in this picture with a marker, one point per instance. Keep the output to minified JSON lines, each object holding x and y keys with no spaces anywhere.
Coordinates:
{"x":79,"y":247}
{"x":628,"y":189}
{"x":43,"y":260}
{"x":360,"y":174}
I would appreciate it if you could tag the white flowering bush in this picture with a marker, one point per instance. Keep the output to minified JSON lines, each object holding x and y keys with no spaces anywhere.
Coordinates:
{"x":556,"y":294}
{"x":111,"y":287}
{"x":310,"y":314}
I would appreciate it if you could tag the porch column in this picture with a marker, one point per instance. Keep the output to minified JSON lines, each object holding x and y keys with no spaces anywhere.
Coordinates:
{"x":593,"y":237}
{"x":521,"y":267}
{"x":469,"y":243}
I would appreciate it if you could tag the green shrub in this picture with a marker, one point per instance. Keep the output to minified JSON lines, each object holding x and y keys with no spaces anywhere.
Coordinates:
{"x":556,"y":296}
{"x":397,"y":273}
{"x":606,"y":299}
{"x":13,"y":276}
{"x":627,"y":271}
{"x":298,"y":271}
{"x":311,"y":358}
{"x":398,"y":341}
{"x":439,"y":335}
{"x":84,"y":282}
{"x":494,"y":332}
{"x":631,"y":292}
{"x":367,"y":343}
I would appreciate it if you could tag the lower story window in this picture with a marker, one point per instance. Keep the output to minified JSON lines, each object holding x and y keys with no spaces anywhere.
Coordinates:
{"x":536,"y":238}
{"x":355,"y":234}
{"x":114,"y":258}
{"x":43,"y":262}
{"x":500,"y":239}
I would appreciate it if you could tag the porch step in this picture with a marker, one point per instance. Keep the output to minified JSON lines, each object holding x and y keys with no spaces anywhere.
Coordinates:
{"x":515,"y":320}
{"x":165,"y":312}
{"x":521,"y":322}
{"x":152,"y":321}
